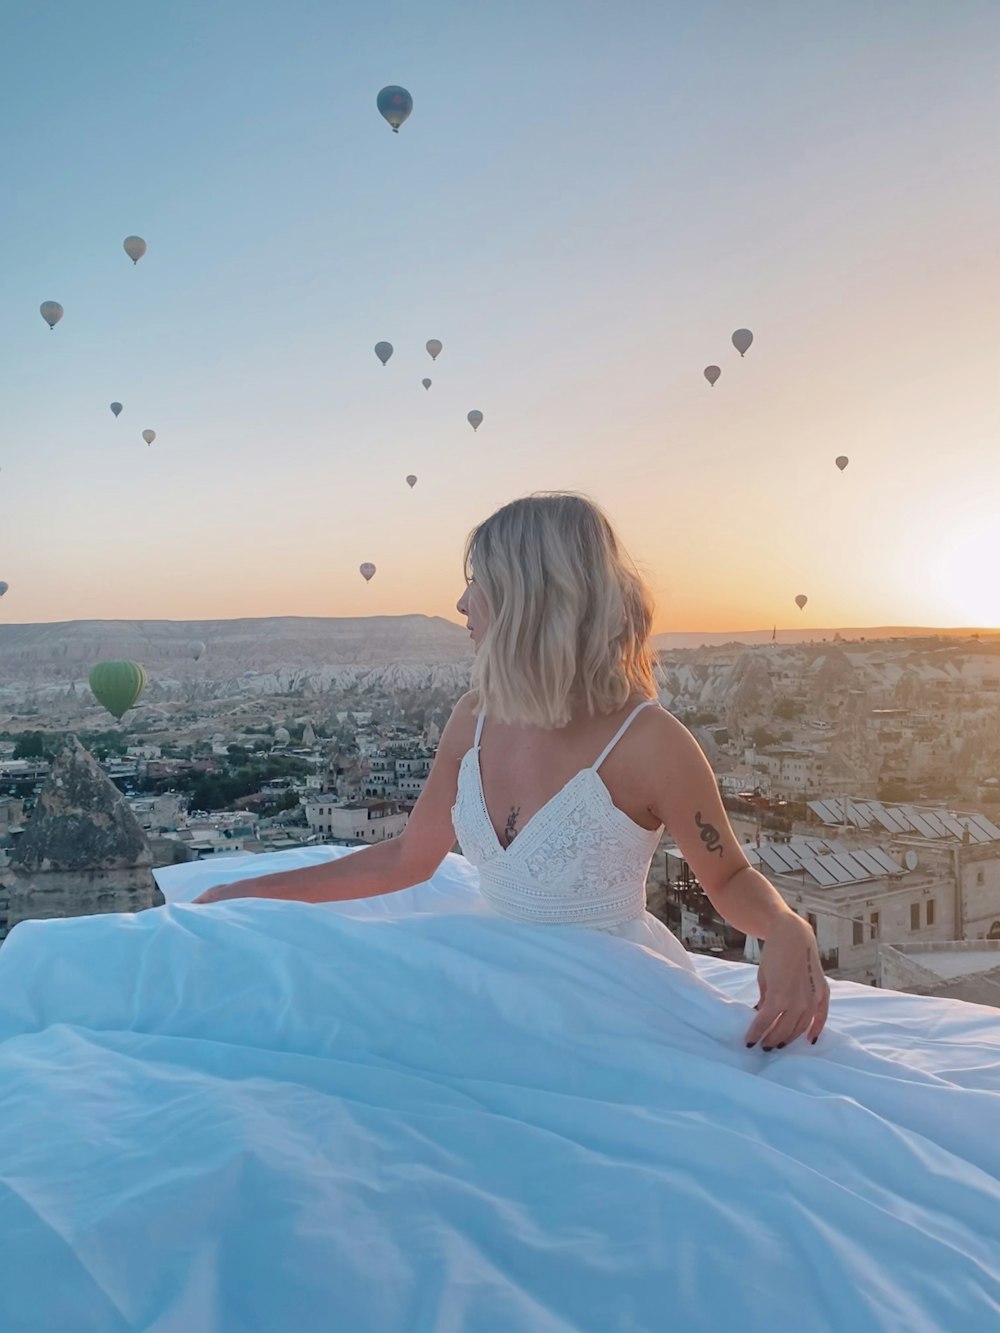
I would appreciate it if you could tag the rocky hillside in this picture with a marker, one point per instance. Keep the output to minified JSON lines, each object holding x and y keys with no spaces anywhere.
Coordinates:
{"x":273,"y":647}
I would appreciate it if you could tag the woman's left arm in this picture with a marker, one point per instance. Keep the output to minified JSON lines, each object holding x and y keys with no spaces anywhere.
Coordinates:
{"x":795,"y":995}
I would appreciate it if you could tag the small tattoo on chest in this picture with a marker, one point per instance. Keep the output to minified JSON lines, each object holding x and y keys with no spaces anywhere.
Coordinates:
{"x":510,"y":828}
{"x":709,"y":835}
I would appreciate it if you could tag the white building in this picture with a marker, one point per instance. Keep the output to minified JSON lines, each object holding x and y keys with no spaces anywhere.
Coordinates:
{"x":355,"y":821}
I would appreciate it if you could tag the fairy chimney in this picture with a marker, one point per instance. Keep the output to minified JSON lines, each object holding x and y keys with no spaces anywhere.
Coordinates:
{"x":82,"y":851}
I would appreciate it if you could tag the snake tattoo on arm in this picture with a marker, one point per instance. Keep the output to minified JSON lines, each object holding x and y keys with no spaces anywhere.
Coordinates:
{"x":709,"y":835}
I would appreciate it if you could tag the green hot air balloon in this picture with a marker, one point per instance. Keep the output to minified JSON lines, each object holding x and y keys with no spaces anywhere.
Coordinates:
{"x":117,"y":686}
{"x":395,"y":105}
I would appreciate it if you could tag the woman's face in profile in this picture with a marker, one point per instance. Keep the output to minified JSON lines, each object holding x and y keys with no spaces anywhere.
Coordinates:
{"x":471,"y":604}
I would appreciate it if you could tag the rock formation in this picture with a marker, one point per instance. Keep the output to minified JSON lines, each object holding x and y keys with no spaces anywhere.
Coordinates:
{"x":82,"y":850}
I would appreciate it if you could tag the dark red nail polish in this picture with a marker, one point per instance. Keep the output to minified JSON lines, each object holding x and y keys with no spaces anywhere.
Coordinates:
{"x":815,"y":1040}
{"x":767,"y":1048}
{"x":751,"y":1043}
{"x":780,"y":1044}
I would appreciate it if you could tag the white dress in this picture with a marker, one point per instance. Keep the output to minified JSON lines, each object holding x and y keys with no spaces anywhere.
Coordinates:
{"x":455,"y":1108}
{"x":578,"y":861}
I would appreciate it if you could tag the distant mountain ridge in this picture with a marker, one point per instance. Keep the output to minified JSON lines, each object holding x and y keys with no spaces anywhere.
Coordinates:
{"x":65,"y":649}
{"x":715,"y":638}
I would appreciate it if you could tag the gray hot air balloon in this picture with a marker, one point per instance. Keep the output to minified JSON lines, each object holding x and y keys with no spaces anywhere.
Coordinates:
{"x":3,"y":587}
{"x":367,"y":570}
{"x":197,"y":649}
{"x":411,"y":481}
{"x":52,"y":312}
{"x":475,"y":420}
{"x":395,"y":105}
{"x":842,"y":461}
{"x":742,"y":339}
{"x":149,"y":436}
{"x":435,"y":348}
{"x":135,"y":248}
{"x":426,"y":383}
{"x":116,"y":408}
{"x":383,"y":351}
{"x":801,"y":600}
{"x":712,"y":373}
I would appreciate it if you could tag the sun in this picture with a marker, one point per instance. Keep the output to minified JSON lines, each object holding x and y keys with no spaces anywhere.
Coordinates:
{"x":966,"y":573}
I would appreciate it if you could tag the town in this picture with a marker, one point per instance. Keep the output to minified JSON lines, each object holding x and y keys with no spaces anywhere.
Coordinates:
{"x":862,"y":776}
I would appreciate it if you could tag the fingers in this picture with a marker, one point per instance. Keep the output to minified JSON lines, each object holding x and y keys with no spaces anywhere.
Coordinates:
{"x":777,"y":1029}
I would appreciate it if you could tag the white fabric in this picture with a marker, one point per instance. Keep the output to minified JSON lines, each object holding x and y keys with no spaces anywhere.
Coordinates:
{"x":406,"y":1114}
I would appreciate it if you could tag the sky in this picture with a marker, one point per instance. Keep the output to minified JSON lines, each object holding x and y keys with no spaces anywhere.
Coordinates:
{"x":585,"y":203}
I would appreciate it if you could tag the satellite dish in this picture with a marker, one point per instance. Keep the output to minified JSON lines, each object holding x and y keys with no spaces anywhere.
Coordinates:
{"x":911,"y":860}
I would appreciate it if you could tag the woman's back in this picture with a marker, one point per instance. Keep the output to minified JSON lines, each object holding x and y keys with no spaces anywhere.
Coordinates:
{"x":559,"y":849}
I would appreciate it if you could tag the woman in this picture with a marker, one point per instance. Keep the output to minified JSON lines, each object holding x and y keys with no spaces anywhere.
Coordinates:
{"x":505,"y":1098}
{"x":559,"y":771}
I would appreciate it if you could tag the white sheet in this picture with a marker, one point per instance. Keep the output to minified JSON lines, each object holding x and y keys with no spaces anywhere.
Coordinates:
{"x":405,"y":1113}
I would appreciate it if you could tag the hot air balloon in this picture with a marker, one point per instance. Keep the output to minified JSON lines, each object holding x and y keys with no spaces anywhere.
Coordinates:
{"x":197,"y":648}
{"x":3,"y":587}
{"x":426,"y":383}
{"x":117,"y":685}
{"x":135,"y":248}
{"x":52,"y":312}
{"x":475,"y":420}
{"x":383,"y":351}
{"x":435,"y":348}
{"x":712,"y":373}
{"x":411,"y":481}
{"x":281,"y":736}
{"x":842,"y":461}
{"x":116,"y":408}
{"x":367,"y":570}
{"x":801,"y":600}
{"x":149,"y":436}
{"x":742,"y":339}
{"x":395,"y":105}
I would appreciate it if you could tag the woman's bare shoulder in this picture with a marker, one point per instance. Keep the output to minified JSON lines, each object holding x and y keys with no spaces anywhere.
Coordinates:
{"x":460,"y":729}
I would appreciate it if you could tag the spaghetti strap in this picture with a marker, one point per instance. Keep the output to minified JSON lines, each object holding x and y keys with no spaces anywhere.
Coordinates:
{"x":479,"y":729}
{"x":621,"y":732}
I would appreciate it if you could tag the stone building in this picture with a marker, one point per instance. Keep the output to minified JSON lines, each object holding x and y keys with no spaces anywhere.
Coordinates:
{"x":82,"y":851}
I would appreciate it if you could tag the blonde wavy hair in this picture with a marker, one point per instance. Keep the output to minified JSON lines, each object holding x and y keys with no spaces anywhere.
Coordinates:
{"x":569,"y":614}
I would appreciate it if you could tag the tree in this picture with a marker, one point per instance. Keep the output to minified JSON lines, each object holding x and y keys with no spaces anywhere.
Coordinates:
{"x":34,"y":745}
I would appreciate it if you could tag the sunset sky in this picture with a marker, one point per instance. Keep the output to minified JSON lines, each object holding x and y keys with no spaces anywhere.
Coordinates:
{"x":585,"y":203}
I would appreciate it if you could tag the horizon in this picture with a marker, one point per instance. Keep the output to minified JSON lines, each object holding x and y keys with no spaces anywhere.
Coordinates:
{"x":583,"y":221}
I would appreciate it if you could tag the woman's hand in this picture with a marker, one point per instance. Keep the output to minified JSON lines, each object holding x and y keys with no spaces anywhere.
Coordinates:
{"x":794,"y":993}
{"x":239,"y":889}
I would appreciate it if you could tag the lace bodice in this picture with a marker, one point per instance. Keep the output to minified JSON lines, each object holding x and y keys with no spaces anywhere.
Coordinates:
{"x":579,"y":859}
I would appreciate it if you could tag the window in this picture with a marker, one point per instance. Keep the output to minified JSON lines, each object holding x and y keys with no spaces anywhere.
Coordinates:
{"x":874,"y":925}
{"x":812,"y":921}
{"x":859,"y":933}
{"x":930,"y":911}
{"x":980,"y":877}
{"x":914,"y":916}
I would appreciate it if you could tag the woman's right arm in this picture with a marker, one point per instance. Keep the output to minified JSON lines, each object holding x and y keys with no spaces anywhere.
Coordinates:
{"x":386,"y":866}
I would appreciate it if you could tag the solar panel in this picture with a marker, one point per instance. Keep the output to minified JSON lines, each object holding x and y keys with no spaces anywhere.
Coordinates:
{"x":952,"y":825}
{"x":869,"y":861}
{"x":818,"y":870}
{"x":852,"y":866}
{"x":782,"y":858}
{"x":826,"y":810}
{"x":987,"y":826}
{"x":890,"y":866}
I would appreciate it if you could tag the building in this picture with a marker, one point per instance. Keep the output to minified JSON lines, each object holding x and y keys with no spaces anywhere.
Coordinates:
{"x":367,"y":821}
